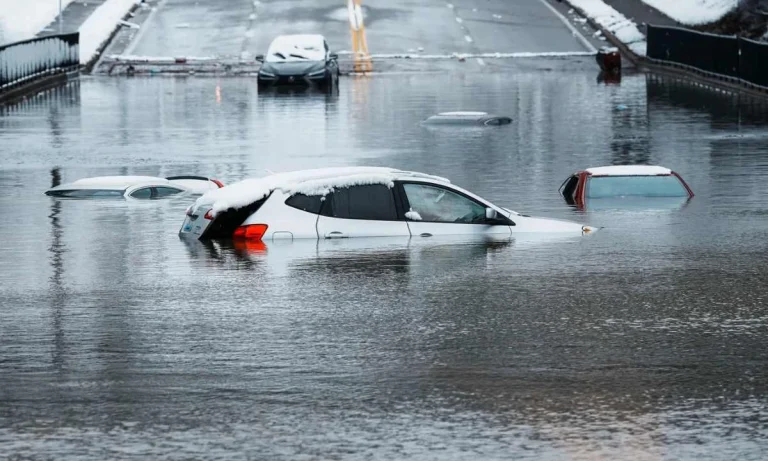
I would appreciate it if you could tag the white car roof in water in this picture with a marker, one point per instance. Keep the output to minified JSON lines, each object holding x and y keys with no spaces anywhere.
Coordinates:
{"x":309,"y":182}
{"x":629,"y":170}
{"x":311,"y":46}
{"x":112,"y":182}
{"x":120,"y":183}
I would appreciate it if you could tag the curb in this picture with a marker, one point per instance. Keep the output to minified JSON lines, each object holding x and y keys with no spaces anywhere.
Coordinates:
{"x":88,"y":67}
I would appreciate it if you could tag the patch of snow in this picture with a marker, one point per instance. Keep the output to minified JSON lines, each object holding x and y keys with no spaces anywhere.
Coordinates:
{"x":413,"y":215}
{"x":183,"y":25}
{"x":22,"y":20}
{"x":309,"y":182}
{"x":301,"y":47}
{"x":629,"y":170}
{"x":463,"y":114}
{"x":95,"y":31}
{"x":607,"y":17}
{"x":694,"y":12}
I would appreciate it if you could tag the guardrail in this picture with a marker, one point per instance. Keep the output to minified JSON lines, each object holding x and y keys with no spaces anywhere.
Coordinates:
{"x":720,"y":57}
{"x":26,"y":61}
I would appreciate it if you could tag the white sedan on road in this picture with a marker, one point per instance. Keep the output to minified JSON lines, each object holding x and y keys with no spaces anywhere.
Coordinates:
{"x":354,"y":202}
{"x":134,"y":187}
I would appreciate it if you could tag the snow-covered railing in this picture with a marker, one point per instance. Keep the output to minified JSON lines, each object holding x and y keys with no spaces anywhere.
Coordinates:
{"x":722,"y":56}
{"x":25,"y":61}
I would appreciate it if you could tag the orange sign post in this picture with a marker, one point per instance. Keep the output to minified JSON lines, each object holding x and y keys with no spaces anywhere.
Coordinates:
{"x":362,"y":57}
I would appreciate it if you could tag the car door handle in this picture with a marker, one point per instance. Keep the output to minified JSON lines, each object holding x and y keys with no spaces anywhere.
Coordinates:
{"x":335,"y":235}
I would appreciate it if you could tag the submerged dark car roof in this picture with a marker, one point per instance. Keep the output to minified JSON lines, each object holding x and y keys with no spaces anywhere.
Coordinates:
{"x":468,"y":118}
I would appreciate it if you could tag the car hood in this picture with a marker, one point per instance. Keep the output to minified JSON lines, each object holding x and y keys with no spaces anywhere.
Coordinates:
{"x":293,"y":67}
{"x":525,"y":223}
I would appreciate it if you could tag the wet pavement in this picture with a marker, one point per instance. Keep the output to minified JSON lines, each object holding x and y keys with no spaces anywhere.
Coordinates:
{"x":240,"y":28}
{"x":644,"y":341}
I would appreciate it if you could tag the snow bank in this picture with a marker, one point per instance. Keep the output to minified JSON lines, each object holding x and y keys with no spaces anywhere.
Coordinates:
{"x":309,"y":182}
{"x":99,"y":26}
{"x":694,"y":12}
{"x":607,"y":17}
{"x":23,"y":19}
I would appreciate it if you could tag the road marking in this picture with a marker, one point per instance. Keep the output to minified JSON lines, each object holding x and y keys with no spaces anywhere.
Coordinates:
{"x":459,"y":20}
{"x":138,"y":37}
{"x":575,"y":32}
{"x":468,"y":39}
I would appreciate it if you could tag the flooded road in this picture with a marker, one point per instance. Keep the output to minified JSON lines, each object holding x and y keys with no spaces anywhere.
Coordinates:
{"x":643,"y":341}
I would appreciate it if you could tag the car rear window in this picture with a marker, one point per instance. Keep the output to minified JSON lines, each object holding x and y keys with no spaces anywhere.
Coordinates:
{"x":635,"y":186}
{"x":86,"y":193}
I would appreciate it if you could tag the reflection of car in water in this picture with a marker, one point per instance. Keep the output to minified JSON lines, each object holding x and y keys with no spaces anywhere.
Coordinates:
{"x":468,"y":118}
{"x":354,"y":202}
{"x":624,"y":182}
{"x":134,"y":187}
{"x":299,"y":60}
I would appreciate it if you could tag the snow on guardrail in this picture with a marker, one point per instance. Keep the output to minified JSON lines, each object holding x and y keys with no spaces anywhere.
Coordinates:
{"x":100,"y":25}
{"x":616,"y":23}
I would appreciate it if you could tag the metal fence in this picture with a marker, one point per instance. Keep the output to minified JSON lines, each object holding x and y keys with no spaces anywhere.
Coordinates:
{"x":22,"y":62}
{"x":721,"y":55}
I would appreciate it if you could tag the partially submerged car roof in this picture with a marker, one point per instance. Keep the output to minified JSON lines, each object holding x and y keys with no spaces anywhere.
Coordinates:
{"x":468,"y":118}
{"x":629,"y":170}
{"x":309,"y":182}
{"x":122,"y":183}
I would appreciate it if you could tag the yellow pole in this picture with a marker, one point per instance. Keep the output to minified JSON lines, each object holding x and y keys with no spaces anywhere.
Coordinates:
{"x":362,"y":57}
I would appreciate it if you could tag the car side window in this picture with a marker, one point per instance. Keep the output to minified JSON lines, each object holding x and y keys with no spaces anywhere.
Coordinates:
{"x":143,"y":193}
{"x":570,"y":186}
{"x":437,"y":204}
{"x":370,"y":202}
{"x":308,"y":203}
{"x":166,"y":191}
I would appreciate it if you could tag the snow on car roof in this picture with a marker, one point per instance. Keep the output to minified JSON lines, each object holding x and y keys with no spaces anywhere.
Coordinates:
{"x":629,"y":170}
{"x":300,"y":47}
{"x":309,"y":182}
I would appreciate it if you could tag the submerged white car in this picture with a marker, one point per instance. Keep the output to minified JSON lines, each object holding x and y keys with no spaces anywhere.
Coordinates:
{"x":134,"y":187}
{"x":354,"y":202}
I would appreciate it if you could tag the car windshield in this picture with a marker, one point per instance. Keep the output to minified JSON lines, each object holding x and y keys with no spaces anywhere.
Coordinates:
{"x":635,"y":186}
{"x":283,"y":51}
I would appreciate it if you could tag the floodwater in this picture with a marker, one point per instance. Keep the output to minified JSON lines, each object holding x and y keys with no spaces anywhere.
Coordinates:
{"x":644,"y":341}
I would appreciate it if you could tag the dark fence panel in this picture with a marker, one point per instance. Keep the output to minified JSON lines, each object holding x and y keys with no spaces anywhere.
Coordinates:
{"x":754,"y":62}
{"x":25,"y":61}
{"x":711,"y":53}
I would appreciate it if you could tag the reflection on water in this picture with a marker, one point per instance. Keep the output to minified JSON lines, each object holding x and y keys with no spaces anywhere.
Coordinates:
{"x":644,"y":340}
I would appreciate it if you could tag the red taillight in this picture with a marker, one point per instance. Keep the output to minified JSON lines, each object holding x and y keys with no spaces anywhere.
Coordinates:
{"x":217,"y":182}
{"x":250,"y":232}
{"x":209,"y":215}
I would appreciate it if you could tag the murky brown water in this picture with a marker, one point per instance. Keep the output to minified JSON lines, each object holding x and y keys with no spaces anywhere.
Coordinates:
{"x":644,"y":341}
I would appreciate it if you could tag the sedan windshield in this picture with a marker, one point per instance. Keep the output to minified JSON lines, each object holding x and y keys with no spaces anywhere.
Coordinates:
{"x":635,"y":186}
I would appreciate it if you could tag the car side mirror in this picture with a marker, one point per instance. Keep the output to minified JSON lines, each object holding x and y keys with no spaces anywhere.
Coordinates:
{"x":491,"y":214}
{"x":333,"y":56}
{"x":260,"y":57}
